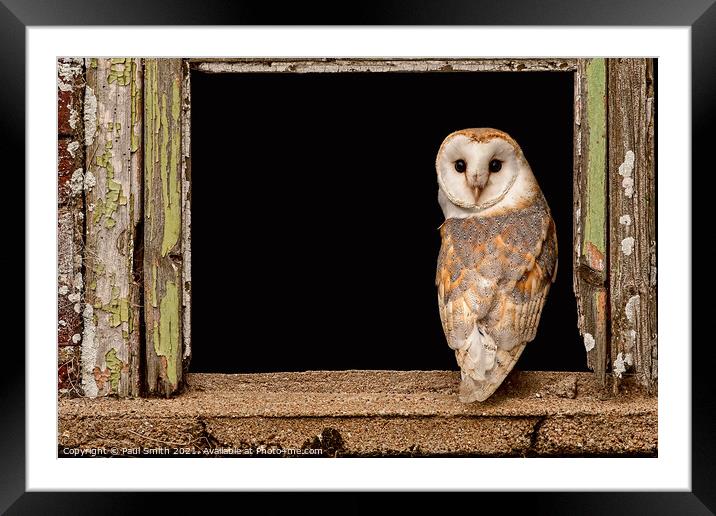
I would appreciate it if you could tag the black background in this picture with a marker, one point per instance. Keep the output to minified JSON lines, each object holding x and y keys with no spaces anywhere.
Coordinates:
{"x":314,"y":214}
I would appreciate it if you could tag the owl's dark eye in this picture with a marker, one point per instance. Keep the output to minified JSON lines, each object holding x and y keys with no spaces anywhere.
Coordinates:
{"x":460,"y":166}
{"x":495,"y":165}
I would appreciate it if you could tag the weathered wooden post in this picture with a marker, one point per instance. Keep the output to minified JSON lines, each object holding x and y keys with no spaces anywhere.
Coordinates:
{"x":590,"y":210}
{"x":632,"y":220}
{"x":112,"y":182}
{"x":163,"y":262}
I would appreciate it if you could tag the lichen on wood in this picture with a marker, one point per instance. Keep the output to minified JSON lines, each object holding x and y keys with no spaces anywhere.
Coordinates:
{"x":70,"y":222}
{"x":632,"y":213}
{"x":162,"y":227}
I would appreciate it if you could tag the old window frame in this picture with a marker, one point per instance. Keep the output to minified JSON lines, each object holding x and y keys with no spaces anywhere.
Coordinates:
{"x":613,"y":248}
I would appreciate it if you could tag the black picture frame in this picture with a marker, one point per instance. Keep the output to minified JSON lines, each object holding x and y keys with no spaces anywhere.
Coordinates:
{"x":700,"y":15}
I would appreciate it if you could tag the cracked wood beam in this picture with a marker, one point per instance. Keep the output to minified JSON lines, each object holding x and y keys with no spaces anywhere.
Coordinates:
{"x":333,"y":65}
{"x":589,"y":246}
{"x":112,"y":183}
{"x":632,"y":216}
{"x":163,"y":268}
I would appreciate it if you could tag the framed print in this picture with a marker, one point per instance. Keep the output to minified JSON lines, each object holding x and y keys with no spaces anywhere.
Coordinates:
{"x":464,"y":249}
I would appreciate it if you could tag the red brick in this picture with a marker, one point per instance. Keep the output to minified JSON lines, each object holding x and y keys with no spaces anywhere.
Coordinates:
{"x":70,"y":95}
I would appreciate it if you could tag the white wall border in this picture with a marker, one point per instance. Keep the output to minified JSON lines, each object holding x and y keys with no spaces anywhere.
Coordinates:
{"x":671,"y":470}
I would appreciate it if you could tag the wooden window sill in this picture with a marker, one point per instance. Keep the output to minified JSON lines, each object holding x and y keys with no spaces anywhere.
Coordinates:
{"x":370,"y":413}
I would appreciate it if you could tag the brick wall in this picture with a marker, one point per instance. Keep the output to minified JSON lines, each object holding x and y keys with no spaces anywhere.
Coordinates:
{"x":70,"y":220}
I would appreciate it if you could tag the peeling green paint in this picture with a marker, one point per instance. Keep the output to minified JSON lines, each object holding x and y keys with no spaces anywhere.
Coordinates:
{"x":150,"y":136}
{"x":162,"y":205}
{"x":112,"y":200}
{"x":93,"y":62}
{"x":119,"y":71}
{"x":124,"y":310}
{"x":98,"y":210}
{"x":171,"y":192}
{"x":596,"y":156}
{"x":118,"y":309}
{"x":163,"y":147}
{"x":134,"y":107}
{"x":114,"y":364}
{"x":105,"y":160}
{"x":166,"y":335}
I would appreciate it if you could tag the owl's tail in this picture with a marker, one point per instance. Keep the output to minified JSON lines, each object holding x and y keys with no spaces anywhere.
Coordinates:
{"x":484,"y":366}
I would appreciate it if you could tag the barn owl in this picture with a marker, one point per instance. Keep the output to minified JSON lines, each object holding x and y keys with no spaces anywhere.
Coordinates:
{"x":498,"y":256}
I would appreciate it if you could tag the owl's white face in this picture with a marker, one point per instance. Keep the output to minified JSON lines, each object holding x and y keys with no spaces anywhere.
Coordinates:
{"x":478,"y":169}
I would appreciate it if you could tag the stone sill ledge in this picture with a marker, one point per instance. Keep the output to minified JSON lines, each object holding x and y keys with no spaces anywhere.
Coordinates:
{"x":371,"y":413}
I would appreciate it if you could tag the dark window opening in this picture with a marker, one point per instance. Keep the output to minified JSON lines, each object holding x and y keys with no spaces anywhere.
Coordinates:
{"x":315,"y":215}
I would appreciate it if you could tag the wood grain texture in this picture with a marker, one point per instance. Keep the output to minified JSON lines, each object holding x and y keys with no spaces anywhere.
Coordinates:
{"x":330,"y":65}
{"x":651,"y":168}
{"x":111,"y":342}
{"x":589,"y":243}
{"x":186,"y":214}
{"x":163,"y":285}
{"x":632,"y":241}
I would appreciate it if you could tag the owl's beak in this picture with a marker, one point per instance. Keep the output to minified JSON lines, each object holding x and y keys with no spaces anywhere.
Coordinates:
{"x":476,"y":192}
{"x":477,"y":182}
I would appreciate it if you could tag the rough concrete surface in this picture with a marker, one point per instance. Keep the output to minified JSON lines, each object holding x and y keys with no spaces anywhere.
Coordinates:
{"x":366,"y":413}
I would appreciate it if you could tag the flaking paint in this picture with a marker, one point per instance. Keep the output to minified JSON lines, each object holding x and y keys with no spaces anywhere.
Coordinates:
{"x":596,"y":155}
{"x":166,"y":334}
{"x":134,"y":107}
{"x":150,"y":82}
{"x":120,"y":71}
{"x":171,"y":187}
{"x":162,"y":188}
{"x":115,"y":365}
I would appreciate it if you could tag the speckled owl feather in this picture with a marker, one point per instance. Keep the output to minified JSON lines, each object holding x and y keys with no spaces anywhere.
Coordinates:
{"x":493,"y":275}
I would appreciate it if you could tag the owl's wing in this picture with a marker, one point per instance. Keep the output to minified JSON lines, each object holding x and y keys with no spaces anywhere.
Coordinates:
{"x":493,"y":278}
